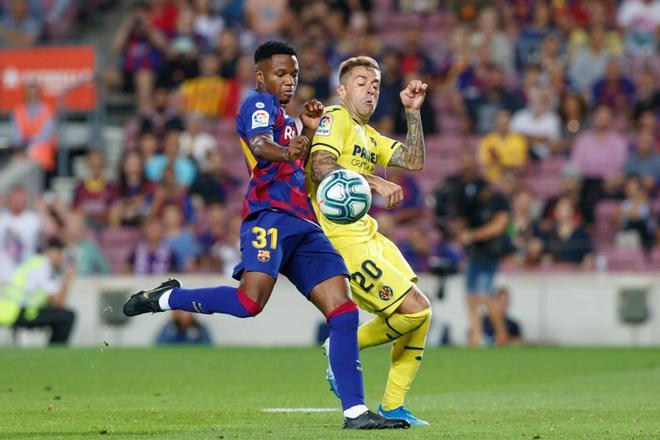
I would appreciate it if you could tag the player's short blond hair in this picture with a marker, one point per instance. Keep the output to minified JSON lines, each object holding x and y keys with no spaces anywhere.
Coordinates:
{"x":348,"y":65}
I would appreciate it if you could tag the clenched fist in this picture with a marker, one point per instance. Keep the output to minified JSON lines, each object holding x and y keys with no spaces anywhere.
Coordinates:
{"x":297,"y":149}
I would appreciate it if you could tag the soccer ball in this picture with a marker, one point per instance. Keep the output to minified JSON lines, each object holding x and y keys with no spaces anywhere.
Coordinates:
{"x":344,"y":197}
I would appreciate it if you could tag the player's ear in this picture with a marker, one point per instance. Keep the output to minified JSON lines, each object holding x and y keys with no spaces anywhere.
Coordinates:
{"x":260,"y":76}
{"x":341,"y":91}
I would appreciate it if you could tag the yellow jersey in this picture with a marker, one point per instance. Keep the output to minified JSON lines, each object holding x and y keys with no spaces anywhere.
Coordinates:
{"x":358,"y":148}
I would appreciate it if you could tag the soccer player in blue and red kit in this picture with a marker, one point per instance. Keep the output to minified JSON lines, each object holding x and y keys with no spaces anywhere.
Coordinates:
{"x":280,"y":232}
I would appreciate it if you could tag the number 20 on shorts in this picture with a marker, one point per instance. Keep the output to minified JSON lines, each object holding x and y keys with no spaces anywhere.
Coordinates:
{"x":260,"y":237}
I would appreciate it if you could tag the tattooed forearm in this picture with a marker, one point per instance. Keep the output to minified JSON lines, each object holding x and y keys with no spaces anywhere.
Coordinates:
{"x":411,"y":156}
{"x":323,"y":163}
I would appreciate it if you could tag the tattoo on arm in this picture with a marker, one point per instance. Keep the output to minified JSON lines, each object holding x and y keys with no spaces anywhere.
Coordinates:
{"x":411,"y":156}
{"x":323,"y":163}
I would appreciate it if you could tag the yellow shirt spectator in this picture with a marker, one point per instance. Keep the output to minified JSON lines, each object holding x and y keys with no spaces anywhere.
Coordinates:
{"x":499,"y":151}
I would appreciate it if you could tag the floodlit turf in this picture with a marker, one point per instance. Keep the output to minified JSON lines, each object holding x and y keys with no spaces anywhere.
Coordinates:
{"x":219,"y":393}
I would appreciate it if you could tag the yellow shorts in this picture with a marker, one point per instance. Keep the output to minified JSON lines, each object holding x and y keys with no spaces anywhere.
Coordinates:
{"x":380,"y":276}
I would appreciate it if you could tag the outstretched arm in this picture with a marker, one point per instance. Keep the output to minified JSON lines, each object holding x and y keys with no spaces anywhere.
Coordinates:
{"x":264,"y":147}
{"x":412,"y":154}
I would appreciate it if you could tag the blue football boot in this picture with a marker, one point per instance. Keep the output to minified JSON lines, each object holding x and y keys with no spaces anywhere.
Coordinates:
{"x":329,"y":375}
{"x":403,"y":414}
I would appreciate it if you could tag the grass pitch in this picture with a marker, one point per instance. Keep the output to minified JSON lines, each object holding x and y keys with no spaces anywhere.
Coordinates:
{"x":219,"y":393}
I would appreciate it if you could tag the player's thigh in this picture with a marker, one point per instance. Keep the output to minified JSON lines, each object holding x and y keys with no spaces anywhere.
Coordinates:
{"x":377,"y":283}
{"x":331,"y":294}
{"x":313,"y":261}
{"x":265,"y":244}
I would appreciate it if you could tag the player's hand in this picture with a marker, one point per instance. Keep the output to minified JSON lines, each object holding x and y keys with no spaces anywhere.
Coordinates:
{"x":297,"y":149}
{"x":311,"y":114}
{"x":412,"y":97}
{"x":391,"y":192}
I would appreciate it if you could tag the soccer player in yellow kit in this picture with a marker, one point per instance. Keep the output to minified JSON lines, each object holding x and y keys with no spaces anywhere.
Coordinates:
{"x":382,"y":282}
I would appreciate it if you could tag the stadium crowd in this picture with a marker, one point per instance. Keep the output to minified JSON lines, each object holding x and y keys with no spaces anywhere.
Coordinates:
{"x":552,"y":104}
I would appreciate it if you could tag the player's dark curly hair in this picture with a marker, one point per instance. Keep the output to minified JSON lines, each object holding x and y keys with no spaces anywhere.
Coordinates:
{"x":272,"y":47}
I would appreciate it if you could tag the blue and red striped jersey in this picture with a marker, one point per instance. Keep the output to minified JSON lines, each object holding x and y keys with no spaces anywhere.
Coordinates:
{"x":273,"y":185}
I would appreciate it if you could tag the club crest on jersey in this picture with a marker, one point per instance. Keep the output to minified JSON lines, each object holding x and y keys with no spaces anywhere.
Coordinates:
{"x":325,"y":124}
{"x":263,"y":256}
{"x":260,"y":119}
{"x":385,"y":293}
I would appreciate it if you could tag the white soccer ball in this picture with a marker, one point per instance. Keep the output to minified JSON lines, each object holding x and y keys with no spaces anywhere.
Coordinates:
{"x":344,"y":197}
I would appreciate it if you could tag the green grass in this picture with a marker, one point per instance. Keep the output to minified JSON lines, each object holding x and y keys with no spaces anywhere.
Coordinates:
{"x":218,"y":393}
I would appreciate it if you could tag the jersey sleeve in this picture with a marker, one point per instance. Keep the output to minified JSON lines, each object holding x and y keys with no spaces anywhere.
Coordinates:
{"x":386,"y":148}
{"x":330,"y":133}
{"x":258,"y":114}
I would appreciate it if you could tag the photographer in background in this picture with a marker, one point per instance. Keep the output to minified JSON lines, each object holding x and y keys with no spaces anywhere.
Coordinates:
{"x":36,"y":293}
{"x":486,"y":216}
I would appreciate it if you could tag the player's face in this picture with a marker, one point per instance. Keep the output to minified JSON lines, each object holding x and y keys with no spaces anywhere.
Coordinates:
{"x":361,"y":91}
{"x":279,"y":76}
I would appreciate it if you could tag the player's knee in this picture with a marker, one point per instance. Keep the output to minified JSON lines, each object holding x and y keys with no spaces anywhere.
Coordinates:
{"x":405,"y":323}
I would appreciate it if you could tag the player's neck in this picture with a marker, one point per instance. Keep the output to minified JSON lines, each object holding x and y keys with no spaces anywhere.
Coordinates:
{"x":354,"y":115}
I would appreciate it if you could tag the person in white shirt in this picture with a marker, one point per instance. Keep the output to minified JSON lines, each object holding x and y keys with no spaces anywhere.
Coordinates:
{"x":194,"y":142}
{"x":19,"y":232}
{"x":539,"y":123}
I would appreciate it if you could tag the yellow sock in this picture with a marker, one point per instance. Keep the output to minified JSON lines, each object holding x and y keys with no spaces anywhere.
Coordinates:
{"x":407,"y":353}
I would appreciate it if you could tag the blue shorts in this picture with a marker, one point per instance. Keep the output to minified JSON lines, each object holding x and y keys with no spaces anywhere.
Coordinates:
{"x":479,"y":276}
{"x":274,"y":242}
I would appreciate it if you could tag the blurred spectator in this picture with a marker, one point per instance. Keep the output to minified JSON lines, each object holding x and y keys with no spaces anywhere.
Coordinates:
{"x":213,"y":235}
{"x":502,"y":301}
{"x":502,"y":149}
{"x":413,"y":200}
{"x":647,"y":93}
{"x":141,"y":45}
{"x":207,"y":22}
{"x":170,"y":191}
{"x":566,"y":241}
{"x":86,"y":254}
{"x":95,"y":195}
{"x":214,"y":183}
{"x":160,"y":117}
{"x":529,"y":41}
{"x":636,"y":213}
{"x":19,"y":232}
{"x":18,"y":26}
{"x":614,"y":90}
{"x":163,"y":15}
{"x":483,"y":109}
{"x":522,"y":224}
{"x":36,"y":294}
{"x":133,"y":192}
{"x":573,"y":114}
{"x":182,"y":51}
{"x":230,"y":52}
{"x":184,"y":168}
{"x":589,"y":63}
{"x":33,"y":131}
{"x":644,"y":162}
{"x":183,"y":243}
{"x":266,"y":18}
{"x":195,"y":143}
{"x":489,"y":34}
{"x":183,"y":328}
{"x":414,"y":58}
{"x":600,"y":152}
{"x":640,"y":20}
{"x":229,"y":250}
{"x":539,"y":123}
{"x":486,"y":242}
{"x":209,"y":94}
{"x":571,"y":188}
{"x":152,"y":255}
{"x":314,"y":73}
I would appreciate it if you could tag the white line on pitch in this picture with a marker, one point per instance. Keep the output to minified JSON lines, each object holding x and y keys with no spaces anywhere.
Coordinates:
{"x":273,"y":410}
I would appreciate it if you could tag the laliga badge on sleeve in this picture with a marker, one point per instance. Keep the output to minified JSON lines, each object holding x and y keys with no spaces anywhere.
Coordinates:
{"x":260,"y":119}
{"x":324,"y":126}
